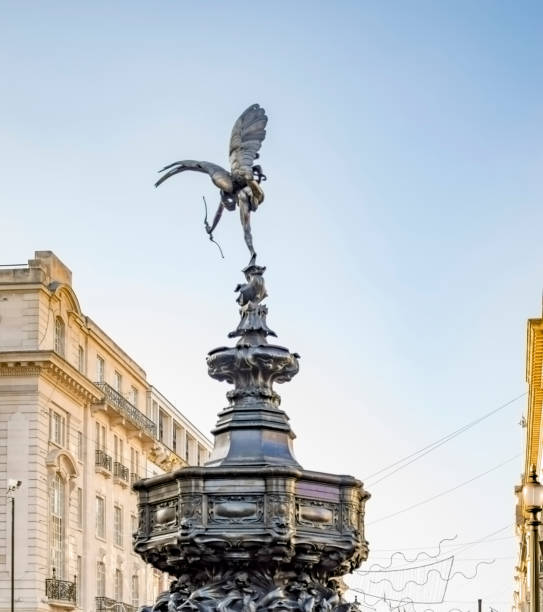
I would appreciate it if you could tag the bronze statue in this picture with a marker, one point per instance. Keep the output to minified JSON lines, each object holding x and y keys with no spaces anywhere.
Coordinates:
{"x":251,"y":530}
{"x":241,"y":185}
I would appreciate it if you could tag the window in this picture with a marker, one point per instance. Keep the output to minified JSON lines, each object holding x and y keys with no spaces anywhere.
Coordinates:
{"x":118,"y":451}
{"x":100,"y":437}
{"x":80,"y":445}
{"x":100,"y":579}
{"x":118,"y":585}
{"x":81,"y":359}
{"x":117,"y":382}
{"x":100,"y":369}
{"x":118,"y":526}
{"x":133,"y":396}
{"x":134,"y":461}
{"x":79,"y":507}
{"x":57,"y":525}
{"x":57,"y":428}
{"x":135,"y":591}
{"x":100,"y":517}
{"x":59,"y":336}
{"x":161,"y":426}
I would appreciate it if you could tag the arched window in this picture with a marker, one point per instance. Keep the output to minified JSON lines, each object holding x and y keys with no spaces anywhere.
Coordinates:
{"x":60,"y":340}
{"x":57,"y":525}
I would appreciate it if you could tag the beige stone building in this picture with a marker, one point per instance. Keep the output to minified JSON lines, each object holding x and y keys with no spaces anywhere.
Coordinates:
{"x":79,"y":423}
{"x":532,"y":455}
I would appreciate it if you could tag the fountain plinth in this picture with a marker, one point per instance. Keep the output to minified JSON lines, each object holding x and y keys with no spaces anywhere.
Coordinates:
{"x":252,"y":530}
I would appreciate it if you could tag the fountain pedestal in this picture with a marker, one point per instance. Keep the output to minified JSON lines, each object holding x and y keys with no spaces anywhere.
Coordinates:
{"x":252,"y":530}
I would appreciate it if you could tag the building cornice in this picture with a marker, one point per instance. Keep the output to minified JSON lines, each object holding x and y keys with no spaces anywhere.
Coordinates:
{"x":52,"y":366}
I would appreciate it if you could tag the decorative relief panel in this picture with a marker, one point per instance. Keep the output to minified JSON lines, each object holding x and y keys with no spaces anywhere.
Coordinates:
{"x":163,"y":516}
{"x":316,"y":514}
{"x":235,"y":509}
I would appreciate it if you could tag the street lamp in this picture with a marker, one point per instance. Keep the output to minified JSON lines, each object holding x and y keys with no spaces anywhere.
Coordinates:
{"x":532,"y":493}
{"x":13,"y":485}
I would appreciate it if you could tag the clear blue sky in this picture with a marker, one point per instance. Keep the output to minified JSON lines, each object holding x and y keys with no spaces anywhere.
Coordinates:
{"x":401,"y":227}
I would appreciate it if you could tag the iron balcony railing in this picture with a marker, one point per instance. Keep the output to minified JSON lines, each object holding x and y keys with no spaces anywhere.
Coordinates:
{"x":120,"y":471}
{"x":134,"y":477}
{"x":106,"y":604}
{"x":102,"y":460}
{"x":127,"y":409}
{"x":61,"y":590}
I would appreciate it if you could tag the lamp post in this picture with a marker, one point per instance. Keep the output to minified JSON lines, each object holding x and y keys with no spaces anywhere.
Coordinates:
{"x":13,"y":485}
{"x":532,"y":494}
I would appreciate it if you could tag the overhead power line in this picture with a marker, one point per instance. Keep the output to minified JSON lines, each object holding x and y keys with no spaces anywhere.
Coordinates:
{"x":429,"y":499}
{"x":484,"y":539}
{"x":405,"y":461}
{"x":458,"y":545}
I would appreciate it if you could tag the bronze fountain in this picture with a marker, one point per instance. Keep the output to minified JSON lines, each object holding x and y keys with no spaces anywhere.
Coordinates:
{"x":251,"y":530}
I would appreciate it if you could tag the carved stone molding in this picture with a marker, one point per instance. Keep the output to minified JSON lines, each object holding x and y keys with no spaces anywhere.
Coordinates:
{"x":19,"y":370}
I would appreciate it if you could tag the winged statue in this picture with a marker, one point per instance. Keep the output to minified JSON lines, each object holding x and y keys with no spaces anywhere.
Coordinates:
{"x":240,"y":186}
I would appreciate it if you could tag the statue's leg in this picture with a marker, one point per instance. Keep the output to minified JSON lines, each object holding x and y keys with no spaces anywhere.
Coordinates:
{"x":245,"y":214}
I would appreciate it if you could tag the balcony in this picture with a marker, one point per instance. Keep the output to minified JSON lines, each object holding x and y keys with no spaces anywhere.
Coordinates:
{"x":102,"y":463}
{"x":120,"y":474}
{"x":134,"y":478}
{"x":129,"y":414}
{"x":62,"y":593}
{"x":106,"y":604}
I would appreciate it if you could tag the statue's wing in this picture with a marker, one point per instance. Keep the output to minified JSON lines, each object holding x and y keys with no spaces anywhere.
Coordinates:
{"x":220,"y":177}
{"x":248,"y":134}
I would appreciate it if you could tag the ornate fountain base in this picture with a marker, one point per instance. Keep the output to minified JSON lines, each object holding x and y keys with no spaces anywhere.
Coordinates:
{"x":252,"y":530}
{"x":249,"y":538}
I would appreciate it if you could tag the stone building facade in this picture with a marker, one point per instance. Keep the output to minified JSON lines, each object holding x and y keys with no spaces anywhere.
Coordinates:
{"x":532,"y":446}
{"x":79,"y":423}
